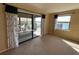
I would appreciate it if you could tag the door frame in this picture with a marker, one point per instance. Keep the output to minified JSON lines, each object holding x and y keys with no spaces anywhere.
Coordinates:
{"x":32,"y":26}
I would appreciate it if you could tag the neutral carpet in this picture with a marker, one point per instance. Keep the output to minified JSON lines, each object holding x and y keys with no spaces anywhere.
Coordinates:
{"x":49,"y":45}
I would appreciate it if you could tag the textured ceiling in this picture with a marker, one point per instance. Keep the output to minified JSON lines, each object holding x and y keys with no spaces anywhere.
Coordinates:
{"x":56,"y":7}
{"x":50,"y":7}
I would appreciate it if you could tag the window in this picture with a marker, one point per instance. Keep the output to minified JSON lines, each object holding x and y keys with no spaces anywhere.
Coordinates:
{"x":62,"y":22}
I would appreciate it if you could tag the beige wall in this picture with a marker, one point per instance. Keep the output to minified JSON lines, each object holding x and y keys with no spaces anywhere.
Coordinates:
{"x":3,"y":36}
{"x":73,"y":33}
{"x":49,"y":22}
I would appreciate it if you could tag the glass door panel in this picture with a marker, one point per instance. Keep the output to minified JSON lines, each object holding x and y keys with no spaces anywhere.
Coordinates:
{"x":37,"y":26}
{"x":25,"y":28}
{"x":29,"y":26}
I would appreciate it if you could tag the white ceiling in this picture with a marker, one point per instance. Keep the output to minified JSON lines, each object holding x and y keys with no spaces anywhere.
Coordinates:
{"x":55,"y":7}
{"x":49,"y":7}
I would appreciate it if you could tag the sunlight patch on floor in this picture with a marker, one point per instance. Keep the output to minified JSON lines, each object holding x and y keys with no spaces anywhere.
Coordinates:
{"x":73,"y":45}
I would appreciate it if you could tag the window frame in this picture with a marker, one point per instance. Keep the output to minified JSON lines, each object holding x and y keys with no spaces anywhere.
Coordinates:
{"x":62,"y":22}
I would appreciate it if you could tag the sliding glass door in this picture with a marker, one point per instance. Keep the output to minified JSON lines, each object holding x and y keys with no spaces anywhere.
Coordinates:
{"x":25,"y":27}
{"x":29,"y":26}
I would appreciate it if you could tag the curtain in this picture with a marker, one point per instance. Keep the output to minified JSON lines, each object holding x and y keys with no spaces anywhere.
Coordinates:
{"x":12,"y":30}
